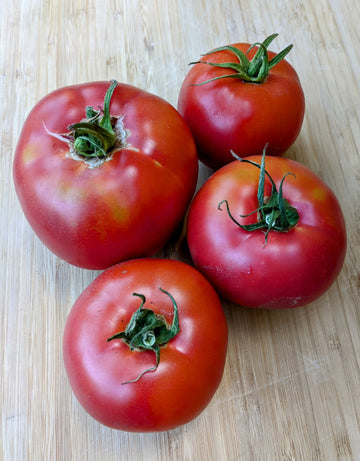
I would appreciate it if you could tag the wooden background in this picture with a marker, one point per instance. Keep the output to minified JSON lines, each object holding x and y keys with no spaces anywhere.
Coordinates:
{"x":291,"y":387}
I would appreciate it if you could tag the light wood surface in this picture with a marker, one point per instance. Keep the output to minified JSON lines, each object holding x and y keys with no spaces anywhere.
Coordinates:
{"x":291,"y":387}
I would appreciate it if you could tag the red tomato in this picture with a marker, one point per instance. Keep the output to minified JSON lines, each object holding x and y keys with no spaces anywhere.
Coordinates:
{"x":123,"y":200}
{"x":278,"y":270}
{"x":233,"y":114}
{"x":122,"y":388}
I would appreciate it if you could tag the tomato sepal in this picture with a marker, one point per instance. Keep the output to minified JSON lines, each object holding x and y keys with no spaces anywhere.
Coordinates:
{"x":147,"y":330}
{"x":274,"y":213}
{"x":255,"y":70}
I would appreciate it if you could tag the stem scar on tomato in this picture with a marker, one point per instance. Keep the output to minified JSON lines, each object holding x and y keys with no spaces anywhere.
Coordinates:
{"x":94,"y":139}
{"x":274,"y":213}
{"x":255,"y":70}
{"x":148,"y":331}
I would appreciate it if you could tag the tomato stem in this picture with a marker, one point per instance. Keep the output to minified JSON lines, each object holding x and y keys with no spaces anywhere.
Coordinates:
{"x":95,"y":136}
{"x":276,"y":213}
{"x":255,"y":70}
{"x":148,"y":331}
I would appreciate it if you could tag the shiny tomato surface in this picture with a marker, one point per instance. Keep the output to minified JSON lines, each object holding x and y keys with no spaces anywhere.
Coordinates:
{"x":191,"y":364}
{"x":230,"y":114}
{"x":129,"y":205}
{"x":288,"y":270}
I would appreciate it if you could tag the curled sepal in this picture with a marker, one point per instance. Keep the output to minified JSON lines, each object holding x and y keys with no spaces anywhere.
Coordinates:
{"x":255,"y":70}
{"x":149,"y":331}
{"x":274,"y":213}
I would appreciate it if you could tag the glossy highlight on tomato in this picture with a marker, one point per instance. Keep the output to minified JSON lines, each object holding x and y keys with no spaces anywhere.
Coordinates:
{"x":111,"y":359}
{"x":257,"y":267}
{"x":101,"y":184}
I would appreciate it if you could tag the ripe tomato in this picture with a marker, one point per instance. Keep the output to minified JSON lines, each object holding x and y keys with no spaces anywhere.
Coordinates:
{"x":111,"y":359}
{"x":259,"y":103}
{"x":302,"y":250}
{"x":114,"y":186}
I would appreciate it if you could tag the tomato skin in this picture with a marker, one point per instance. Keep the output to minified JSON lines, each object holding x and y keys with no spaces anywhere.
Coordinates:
{"x":294,"y":267}
{"x":230,"y":114}
{"x":191,"y":364}
{"x":127,"y":207}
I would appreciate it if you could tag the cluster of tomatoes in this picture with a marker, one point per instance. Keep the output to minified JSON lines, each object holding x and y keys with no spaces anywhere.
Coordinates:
{"x":105,"y":173}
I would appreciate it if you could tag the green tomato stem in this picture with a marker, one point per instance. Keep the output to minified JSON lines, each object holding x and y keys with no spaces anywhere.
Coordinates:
{"x":95,"y":137}
{"x":148,"y":331}
{"x":255,"y":70}
{"x":274,"y":214}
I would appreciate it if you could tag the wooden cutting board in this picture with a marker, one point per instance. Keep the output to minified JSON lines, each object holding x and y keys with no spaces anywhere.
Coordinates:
{"x":291,"y":388}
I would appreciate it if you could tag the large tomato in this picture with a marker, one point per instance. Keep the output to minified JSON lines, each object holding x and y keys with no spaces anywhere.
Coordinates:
{"x":241,"y":100}
{"x":268,"y":243}
{"x":145,"y":345}
{"x":110,"y":187}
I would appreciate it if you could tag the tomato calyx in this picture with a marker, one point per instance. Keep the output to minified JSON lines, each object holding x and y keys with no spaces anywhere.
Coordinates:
{"x":94,"y":139}
{"x":274,"y":212}
{"x":255,"y":70}
{"x":148,"y":331}
{"x":95,"y":136}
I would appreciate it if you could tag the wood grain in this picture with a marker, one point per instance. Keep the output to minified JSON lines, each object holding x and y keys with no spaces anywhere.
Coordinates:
{"x":291,"y":384}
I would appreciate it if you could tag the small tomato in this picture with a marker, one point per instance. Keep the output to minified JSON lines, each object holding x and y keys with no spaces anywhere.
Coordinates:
{"x":242,"y":97}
